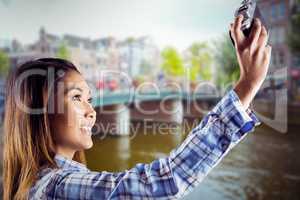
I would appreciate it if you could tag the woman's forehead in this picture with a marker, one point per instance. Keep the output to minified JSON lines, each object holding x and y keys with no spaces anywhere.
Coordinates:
{"x":74,"y":80}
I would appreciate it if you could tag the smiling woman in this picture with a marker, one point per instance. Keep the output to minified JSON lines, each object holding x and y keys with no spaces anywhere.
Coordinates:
{"x":36,"y":96}
{"x":48,"y":120}
{"x":73,"y":125}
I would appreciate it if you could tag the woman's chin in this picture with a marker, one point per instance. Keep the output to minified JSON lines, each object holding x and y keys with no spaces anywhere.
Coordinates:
{"x":88,"y":144}
{"x":86,"y":139}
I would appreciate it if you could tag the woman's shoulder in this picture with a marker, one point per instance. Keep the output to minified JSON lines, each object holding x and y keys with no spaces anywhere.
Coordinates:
{"x":44,"y":178}
{"x":48,"y":177}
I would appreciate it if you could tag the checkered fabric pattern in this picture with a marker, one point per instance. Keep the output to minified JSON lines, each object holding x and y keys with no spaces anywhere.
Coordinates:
{"x":164,"y":178}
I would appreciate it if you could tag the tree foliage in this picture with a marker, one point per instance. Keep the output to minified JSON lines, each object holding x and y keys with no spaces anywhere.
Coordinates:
{"x":4,"y":64}
{"x":294,"y":33}
{"x":227,"y":64}
{"x":172,"y":63}
{"x":200,"y":61}
{"x":63,"y":52}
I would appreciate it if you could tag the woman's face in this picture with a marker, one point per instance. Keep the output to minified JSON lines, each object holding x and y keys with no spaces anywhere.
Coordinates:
{"x":74,"y":117}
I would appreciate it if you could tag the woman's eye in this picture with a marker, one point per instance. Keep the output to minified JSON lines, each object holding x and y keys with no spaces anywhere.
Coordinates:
{"x":76,"y":97}
{"x":90,"y":100}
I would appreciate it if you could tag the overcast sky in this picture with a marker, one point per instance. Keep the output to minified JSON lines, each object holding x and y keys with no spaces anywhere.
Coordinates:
{"x":168,"y":22}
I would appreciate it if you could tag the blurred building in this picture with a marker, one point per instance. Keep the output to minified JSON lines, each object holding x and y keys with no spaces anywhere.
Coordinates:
{"x":136,"y":57}
{"x":277,"y":14}
{"x":139,"y":57}
{"x":5,"y":45}
{"x":108,"y":53}
{"x":82,"y":51}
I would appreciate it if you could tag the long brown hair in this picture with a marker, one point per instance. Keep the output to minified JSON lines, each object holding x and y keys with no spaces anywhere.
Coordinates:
{"x":28,"y":142}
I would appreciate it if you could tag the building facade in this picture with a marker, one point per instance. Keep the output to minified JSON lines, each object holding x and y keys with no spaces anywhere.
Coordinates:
{"x":277,"y":14}
{"x":135,"y":57}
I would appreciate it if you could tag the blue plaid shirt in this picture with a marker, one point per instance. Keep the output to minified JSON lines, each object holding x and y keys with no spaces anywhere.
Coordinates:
{"x":165,"y":178}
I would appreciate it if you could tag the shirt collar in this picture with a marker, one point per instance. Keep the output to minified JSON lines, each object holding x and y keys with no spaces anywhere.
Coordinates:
{"x":66,"y":163}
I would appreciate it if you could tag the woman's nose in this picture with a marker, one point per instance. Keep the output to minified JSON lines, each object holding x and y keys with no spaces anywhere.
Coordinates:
{"x":90,"y":112}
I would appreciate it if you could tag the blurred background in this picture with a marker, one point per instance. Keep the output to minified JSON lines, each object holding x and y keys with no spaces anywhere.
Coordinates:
{"x":178,"y":59}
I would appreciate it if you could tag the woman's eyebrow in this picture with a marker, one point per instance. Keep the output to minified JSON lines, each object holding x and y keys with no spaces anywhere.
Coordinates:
{"x":68,"y":89}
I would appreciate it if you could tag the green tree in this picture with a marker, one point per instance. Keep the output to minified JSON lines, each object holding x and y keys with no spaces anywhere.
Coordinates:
{"x":294,"y":31}
{"x":227,"y":64}
{"x":172,"y":63}
{"x":63,"y":51}
{"x":130,"y":40}
{"x":4,"y":64}
{"x":199,"y":60}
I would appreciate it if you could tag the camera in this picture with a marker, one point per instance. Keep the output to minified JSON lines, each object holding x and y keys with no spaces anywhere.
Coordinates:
{"x":249,"y":9}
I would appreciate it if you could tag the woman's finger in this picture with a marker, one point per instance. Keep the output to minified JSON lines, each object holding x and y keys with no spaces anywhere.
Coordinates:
{"x":255,"y":33}
{"x":237,"y":32}
{"x":268,"y":52}
{"x":231,"y":34}
{"x":263,"y":38}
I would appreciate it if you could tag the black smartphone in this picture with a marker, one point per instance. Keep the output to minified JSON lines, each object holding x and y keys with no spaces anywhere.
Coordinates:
{"x":249,"y":9}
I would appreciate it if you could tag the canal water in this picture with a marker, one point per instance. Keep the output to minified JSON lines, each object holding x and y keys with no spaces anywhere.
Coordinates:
{"x":264,"y":166}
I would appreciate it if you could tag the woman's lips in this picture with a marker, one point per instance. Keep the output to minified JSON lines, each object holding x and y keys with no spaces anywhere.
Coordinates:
{"x":87,"y":130}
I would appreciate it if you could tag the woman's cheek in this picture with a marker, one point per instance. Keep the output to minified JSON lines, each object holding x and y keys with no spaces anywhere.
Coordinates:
{"x":77,"y":114}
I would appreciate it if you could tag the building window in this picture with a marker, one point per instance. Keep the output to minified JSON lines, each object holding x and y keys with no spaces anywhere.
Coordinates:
{"x":274,"y":12}
{"x":278,"y":11}
{"x":277,"y":59}
{"x":265,"y":12}
{"x":272,"y":36}
{"x":273,"y":59}
{"x":281,"y":9}
{"x":296,"y":61}
{"x":280,"y":35}
{"x":277,"y":35}
{"x":281,"y":58}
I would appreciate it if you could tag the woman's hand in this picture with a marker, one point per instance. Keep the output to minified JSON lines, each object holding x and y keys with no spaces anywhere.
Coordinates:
{"x":253,"y":55}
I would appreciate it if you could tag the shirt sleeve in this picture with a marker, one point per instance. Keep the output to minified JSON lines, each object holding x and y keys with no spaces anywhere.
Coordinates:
{"x":170,"y":177}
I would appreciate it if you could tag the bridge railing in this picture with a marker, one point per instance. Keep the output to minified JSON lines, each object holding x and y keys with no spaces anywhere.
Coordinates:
{"x":127,"y":97}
